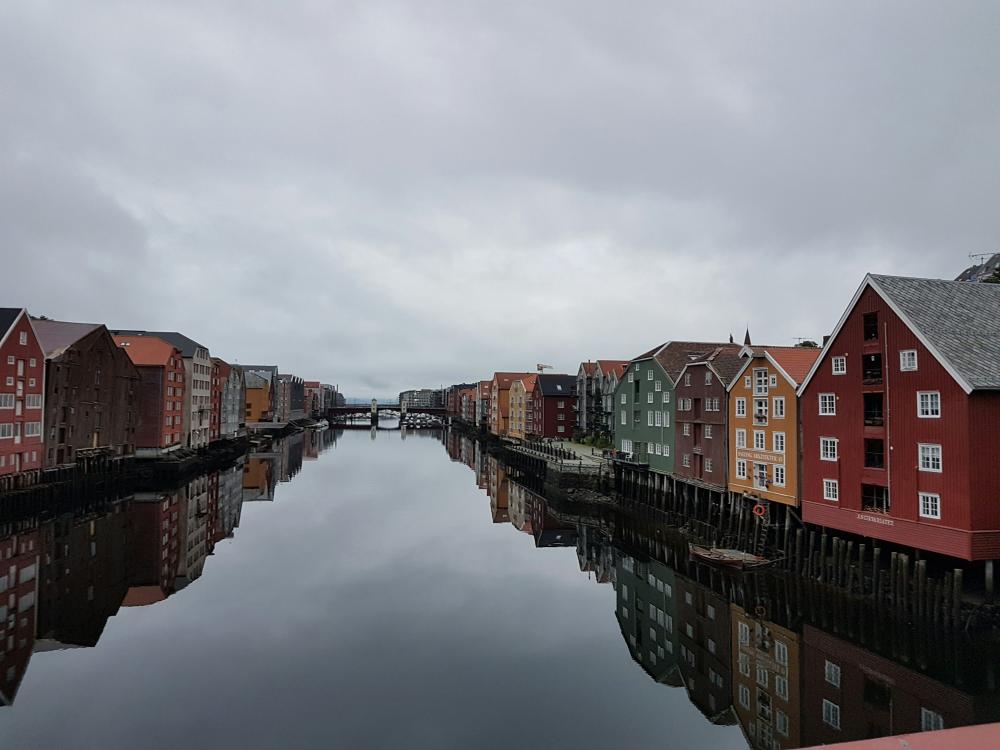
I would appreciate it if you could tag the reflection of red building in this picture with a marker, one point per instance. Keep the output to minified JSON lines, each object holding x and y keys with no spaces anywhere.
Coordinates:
{"x":850,"y":693}
{"x":705,"y":650}
{"x":157,"y":550}
{"x":18,"y":608}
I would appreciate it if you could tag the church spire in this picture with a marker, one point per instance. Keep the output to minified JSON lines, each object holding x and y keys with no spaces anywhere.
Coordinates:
{"x":746,"y":338}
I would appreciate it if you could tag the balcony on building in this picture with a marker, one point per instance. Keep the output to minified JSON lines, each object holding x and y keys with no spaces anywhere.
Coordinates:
{"x":874,"y":453}
{"x":875,"y":498}
{"x":871,"y":369}
{"x":874,"y":414}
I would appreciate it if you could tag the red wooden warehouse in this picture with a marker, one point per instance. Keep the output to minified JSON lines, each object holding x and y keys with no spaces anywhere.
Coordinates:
{"x":900,"y":418}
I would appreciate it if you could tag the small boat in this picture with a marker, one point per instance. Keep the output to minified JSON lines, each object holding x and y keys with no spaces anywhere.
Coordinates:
{"x":727,"y":558}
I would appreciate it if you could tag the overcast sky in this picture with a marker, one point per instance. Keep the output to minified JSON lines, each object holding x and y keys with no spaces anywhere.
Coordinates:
{"x":398,"y":194}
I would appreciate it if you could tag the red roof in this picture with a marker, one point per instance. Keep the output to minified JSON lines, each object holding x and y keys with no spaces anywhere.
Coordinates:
{"x":795,"y":360}
{"x":147,"y":351}
{"x":311,"y":384}
{"x":588,"y":367}
{"x":529,"y":382}
{"x":504,"y":379}
{"x":612,"y":365}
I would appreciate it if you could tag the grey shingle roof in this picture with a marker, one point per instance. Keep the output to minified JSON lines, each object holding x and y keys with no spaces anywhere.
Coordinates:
{"x":960,"y":320}
{"x":7,"y":317}
{"x":555,"y":384}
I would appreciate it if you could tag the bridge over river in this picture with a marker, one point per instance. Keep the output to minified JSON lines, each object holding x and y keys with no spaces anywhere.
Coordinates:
{"x":375,"y":410}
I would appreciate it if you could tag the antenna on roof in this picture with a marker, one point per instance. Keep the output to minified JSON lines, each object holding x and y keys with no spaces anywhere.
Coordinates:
{"x":979,"y":257}
{"x":542,"y":368}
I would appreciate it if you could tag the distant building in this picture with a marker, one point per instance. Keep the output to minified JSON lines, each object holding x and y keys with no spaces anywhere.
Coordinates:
{"x":258,"y":398}
{"x":160,"y":403}
{"x":22,"y":393}
{"x":197,"y":384}
{"x":554,"y":406}
{"x":500,"y":400}
{"x":313,"y":397}
{"x":483,"y":408}
{"x":290,"y":398}
{"x":269,"y":374}
{"x":521,"y":401}
{"x":981,"y":271}
{"x":423,"y":398}
{"x":231,"y":407}
{"x":92,"y":392}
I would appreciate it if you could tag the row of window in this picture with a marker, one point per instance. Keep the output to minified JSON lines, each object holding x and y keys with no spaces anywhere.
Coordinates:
{"x":31,"y":429}
{"x":760,"y":477}
{"x":907,"y":362}
{"x":760,"y":440}
{"x":928,"y":404}
{"x":929,"y":453}
{"x":31,"y":401}
{"x":31,"y":362}
{"x":929,"y":502}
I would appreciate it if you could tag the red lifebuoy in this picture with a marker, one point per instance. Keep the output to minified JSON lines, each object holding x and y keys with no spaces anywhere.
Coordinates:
{"x":759,"y":510}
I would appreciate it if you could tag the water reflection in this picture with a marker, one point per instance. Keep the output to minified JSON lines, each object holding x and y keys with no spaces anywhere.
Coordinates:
{"x":64,"y":575}
{"x":791,"y":664}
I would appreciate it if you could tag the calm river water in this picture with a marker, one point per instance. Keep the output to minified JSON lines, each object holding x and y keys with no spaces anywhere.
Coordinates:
{"x":349,"y":590}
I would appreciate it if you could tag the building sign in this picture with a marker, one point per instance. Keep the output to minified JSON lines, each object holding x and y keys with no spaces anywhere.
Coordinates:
{"x":875,"y":519}
{"x":772,"y":458}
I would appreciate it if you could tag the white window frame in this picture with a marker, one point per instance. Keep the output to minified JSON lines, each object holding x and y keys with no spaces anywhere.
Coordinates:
{"x":708,"y":465}
{"x":741,"y":407}
{"x":759,"y":440}
{"x":778,"y":407}
{"x":624,"y":417}
{"x":741,"y":438}
{"x":778,"y":442}
{"x":832,"y":400}
{"x":905,"y":356}
{"x":686,"y":430}
{"x":781,"y":653}
{"x":649,"y":374}
{"x":838,"y":360}
{"x":779,"y":475}
{"x":834,"y":485}
{"x":649,"y":397}
{"x":707,"y":432}
{"x":708,"y":377}
{"x":931,"y":395}
{"x":658,"y":386}
{"x":833,"y":444}
{"x":741,"y":468}
{"x":649,"y":419}
{"x":929,"y":497}
{"x":930,"y":721}
{"x":831,"y":673}
{"x":932,"y":448}
{"x":831,"y":714}
{"x":624,"y":398}
{"x":658,"y":418}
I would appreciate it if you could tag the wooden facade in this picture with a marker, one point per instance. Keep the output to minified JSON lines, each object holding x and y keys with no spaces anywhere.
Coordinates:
{"x":864,"y":434}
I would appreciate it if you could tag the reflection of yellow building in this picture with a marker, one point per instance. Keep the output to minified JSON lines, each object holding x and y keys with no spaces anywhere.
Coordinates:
{"x":765,"y":681}
{"x":258,"y":399}
{"x":521,"y":407}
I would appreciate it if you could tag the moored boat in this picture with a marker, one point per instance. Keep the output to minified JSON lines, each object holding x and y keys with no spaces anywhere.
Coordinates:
{"x":727,"y":558}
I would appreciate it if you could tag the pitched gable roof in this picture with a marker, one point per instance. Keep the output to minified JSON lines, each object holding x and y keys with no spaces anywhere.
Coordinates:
{"x":588,"y":367}
{"x":958,"y":322}
{"x":796,"y":361}
{"x":674,"y":356}
{"x":555,"y":384}
{"x":55,"y":336}
{"x":504,"y":379}
{"x":146,"y":351}
{"x":724,"y":360}
{"x":182,"y":342}
{"x":955,"y":320}
{"x":607,"y":366}
{"x":8,"y":316}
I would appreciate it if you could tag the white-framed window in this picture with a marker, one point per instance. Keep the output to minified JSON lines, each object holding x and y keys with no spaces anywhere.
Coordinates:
{"x":779,"y":407}
{"x":649,"y":374}
{"x":778,"y":442}
{"x":624,"y":417}
{"x":828,"y":448}
{"x":630,"y":376}
{"x":743,"y":631}
{"x":659,"y":418}
{"x":687,"y":378}
{"x":781,"y":653}
{"x":831,"y":714}
{"x":779,"y":475}
{"x":760,"y":411}
{"x":649,"y":419}
{"x":10,"y":380}
{"x":827,"y":404}
{"x":6,"y":400}
{"x":747,"y":382}
{"x":908,"y":360}
{"x":666,"y":418}
{"x":781,"y":723}
{"x":6,"y":430}
{"x":561,"y":428}
{"x":636,"y":367}
{"x":773,"y":381}
{"x":760,"y":381}
{"x":708,"y":432}
{"x":687,"y":429}
{"x":666,"y":449}
{"x":762,"y":676}
{"x":22,"y":338}
{"x":32,"y":362}
{"x":686,"y":461}
{"x":745,"y":665}
{"x":626,"y":446}
{"x":708,"y":377}
{"x":659,"y":449}
{"x":831,"y":672}
{"x":741,"y":407}
{"x":839,"y":365}
{"x":31,"y":382}
{"x":666,"y":397}
{"x":32,"y":429}
{"x":781,"y":687}
{"x":745,"y":696}
{"x":658,"y":386}
{"x":930,"y":457}
{"x":708,"y":465}
{"x":930,"y":721}
{"x":741,"y":438}
{"x":10,"y":359}
{"x":831,"y":490}
{"x":649,"y":397}
{"x":759,"y":440}
{"x":930,"y":505}
{"x":928,"y":404}
{"x":741,"y":468}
